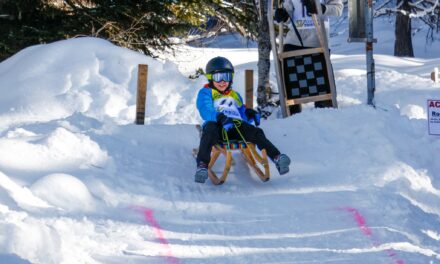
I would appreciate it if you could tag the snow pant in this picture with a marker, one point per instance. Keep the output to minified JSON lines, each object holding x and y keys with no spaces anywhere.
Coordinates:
{"x":212,"y":135}
{"x":294,"y":109}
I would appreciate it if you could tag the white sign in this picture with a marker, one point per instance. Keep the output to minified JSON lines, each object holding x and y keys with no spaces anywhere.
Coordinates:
{"x":434,"y":117}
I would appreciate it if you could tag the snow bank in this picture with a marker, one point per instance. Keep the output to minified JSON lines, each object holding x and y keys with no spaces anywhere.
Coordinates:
{"x":90,"y":76}
{"x":12,"y":259}
{"x":64,"y":191}
{"x":58,"y":150}
{"x":21,"y":195}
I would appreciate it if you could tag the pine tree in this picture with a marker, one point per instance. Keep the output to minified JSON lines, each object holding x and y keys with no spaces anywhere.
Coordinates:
{"x":28,"y":22}
{"x":140,"y":25}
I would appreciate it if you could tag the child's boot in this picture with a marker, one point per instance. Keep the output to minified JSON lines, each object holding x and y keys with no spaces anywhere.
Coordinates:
{"x":201,"y":172}
{"x":282,"y":163}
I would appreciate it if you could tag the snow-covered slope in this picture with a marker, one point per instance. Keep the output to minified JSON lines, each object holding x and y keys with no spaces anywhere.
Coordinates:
{"x":80,"y":183}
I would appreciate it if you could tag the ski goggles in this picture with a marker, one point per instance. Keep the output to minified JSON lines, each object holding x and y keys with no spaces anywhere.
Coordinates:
{"x":220,"y":76}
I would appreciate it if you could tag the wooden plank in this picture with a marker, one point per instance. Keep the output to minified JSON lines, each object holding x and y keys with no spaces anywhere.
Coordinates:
{"x":249,"y":84}
{"x":300,"y":52}
{"x":434,"y":75}
{"x":322,"y":36}
{"x":141,"y":93}
{"x":305,"y":100}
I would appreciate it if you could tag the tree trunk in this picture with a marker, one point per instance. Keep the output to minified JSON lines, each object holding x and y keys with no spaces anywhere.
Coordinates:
{"x":403,"y":43}
{"x":263,"y":39}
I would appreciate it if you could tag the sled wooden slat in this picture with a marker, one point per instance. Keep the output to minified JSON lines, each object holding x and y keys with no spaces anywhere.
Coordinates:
{"x":216,"y":151}
{"x":249,"y":154}
{"x":257,"y":156}
{"x":228,"y":163}
{"x":214,"y":156}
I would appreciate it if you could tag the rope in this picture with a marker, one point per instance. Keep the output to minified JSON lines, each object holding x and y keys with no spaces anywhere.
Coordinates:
{"x":225,"y":137}
{"x":237,"y":124}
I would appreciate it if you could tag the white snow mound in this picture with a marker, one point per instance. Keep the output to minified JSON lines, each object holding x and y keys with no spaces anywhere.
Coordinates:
{"x":90,"y":76}
{"x":64,"y":191}
{"x":58,"y":150}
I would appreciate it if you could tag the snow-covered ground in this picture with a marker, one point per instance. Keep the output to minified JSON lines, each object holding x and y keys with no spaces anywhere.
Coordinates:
{"x":80,"y":183}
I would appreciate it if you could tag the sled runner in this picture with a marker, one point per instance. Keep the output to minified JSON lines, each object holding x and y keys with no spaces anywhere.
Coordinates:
{"x":258,"y":163}
{"x":304,"y":75}
{"x":249,"y":154}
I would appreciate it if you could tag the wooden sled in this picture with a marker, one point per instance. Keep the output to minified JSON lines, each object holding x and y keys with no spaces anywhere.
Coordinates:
{"x":250,"y":155}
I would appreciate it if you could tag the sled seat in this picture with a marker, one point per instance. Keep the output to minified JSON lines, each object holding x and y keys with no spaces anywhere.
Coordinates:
{"x":249,"y":154}
{"x":233,"y":145}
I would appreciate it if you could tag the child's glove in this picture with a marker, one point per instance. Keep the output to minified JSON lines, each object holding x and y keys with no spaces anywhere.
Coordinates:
{"x":225,"y":121}
{"x":281,"y":15}
{"x":311,"y":7}
{"x":251,"y":114}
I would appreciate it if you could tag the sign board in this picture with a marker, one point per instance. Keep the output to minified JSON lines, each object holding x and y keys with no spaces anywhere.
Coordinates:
{"x":434,"y":117}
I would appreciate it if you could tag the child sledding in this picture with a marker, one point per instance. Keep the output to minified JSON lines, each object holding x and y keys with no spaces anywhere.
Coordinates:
{"x":225,"y":119}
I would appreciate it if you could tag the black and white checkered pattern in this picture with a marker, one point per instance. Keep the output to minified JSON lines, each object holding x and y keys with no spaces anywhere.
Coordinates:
{"x":305,"y":76}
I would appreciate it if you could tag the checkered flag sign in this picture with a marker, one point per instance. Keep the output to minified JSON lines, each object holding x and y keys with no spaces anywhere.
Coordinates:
{"x":306,"y":75}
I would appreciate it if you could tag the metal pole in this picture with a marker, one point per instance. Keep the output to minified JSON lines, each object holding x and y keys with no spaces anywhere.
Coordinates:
{"x":371,"y":83}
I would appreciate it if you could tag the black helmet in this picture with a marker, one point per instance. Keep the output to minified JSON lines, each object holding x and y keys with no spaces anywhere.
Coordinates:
{"x":219,"y":64}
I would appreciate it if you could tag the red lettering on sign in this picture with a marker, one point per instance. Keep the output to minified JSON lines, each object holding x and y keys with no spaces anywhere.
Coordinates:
{"x":435,"y":104}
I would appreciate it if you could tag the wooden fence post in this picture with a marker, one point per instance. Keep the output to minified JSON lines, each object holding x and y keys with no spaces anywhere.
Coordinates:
{"x":141,"y":93}
{"x":249,"y":84}
{"x":434,"y":75}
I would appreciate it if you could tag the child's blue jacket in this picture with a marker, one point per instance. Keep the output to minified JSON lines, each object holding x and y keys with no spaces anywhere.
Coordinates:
{"x":205,"y":103}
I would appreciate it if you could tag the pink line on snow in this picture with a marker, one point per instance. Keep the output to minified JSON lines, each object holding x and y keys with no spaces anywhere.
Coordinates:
{"x":149,"y":218}
{"x":360,"y":220}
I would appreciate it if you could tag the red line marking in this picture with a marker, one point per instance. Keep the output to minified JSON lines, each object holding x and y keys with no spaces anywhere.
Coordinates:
{"x":360,"y":220}
{"x":367,"y":231}
{"x":149,"y":218}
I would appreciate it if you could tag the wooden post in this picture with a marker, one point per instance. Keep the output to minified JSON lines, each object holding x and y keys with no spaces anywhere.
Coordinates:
{"x":434,"y":75}
{"x":249,"y":84}
{"x":141,"y":93}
